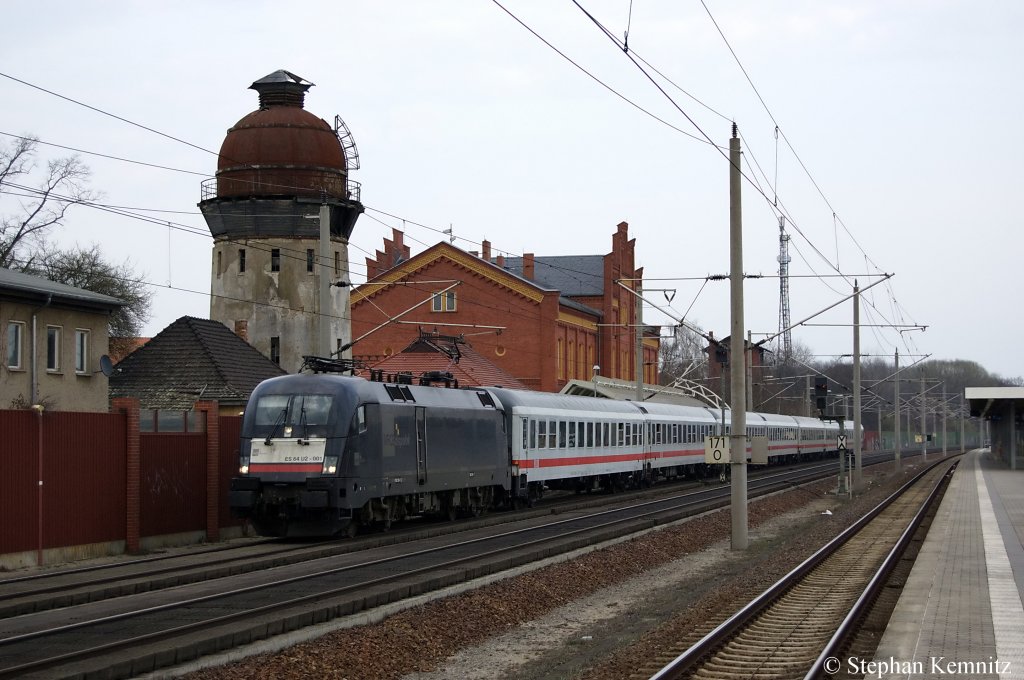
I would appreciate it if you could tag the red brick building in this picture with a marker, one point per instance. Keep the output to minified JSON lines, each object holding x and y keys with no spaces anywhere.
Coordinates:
{"x":544,"y":320}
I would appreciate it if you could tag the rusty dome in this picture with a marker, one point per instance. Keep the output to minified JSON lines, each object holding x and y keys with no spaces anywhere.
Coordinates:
{"x":281,"y":149}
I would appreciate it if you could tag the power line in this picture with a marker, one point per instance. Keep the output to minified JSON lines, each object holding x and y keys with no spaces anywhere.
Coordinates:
{"x":598,"y":80}
{"x":103,"y":155}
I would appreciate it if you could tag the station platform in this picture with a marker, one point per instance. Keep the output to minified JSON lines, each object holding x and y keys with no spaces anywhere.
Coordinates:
{"x":961,"y":614}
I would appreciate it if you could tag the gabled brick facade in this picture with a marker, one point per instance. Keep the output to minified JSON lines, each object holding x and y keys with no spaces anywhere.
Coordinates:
{"x":544,"y":320}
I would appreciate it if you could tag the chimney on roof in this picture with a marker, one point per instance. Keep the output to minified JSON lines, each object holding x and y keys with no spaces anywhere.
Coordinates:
{"x":501,"y":261}
{"x":528,"y":266}
{"x":487,"y":250}
{"x":242,"y":329}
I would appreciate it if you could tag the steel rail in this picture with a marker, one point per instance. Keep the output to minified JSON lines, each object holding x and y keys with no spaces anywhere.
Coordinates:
{"x":849,"y":624}
{"x":658,"y":507}
{"x":720,"y":634}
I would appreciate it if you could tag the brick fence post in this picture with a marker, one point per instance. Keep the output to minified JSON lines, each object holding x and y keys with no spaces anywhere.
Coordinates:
{"x":129,"y":406}
{"x":212,"y":411}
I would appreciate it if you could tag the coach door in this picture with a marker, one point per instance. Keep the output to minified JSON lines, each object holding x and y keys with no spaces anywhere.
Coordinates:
{"x":421,"y":444}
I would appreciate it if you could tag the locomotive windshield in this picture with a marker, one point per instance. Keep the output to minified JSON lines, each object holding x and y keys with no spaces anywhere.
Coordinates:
{"x":292,"y":415}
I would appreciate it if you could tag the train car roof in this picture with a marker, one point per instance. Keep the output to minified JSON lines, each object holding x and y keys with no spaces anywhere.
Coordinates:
{"x":679,"y":410}
{"x":551,"y":400}
{"x":378,"y":392}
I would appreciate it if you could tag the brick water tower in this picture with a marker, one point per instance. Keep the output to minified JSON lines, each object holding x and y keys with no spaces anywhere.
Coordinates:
{"x":281,"y":209}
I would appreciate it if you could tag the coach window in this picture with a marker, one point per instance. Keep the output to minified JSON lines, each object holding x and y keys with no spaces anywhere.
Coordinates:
{"x":590,"y":434}
{"x":561,"y":434}
{"x":533,"y":433}
{"x":542,"y":440}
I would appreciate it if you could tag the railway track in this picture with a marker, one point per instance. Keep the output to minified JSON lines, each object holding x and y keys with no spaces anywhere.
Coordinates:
{"x":812,"y":612}
{"x":79,"y":585}
{"x":126,"y":636}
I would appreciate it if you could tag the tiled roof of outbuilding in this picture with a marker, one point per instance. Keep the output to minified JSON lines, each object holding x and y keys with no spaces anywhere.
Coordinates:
{"x":192,"y":359}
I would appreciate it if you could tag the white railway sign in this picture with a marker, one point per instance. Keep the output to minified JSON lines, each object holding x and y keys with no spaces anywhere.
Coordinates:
{"x":716,"y":449}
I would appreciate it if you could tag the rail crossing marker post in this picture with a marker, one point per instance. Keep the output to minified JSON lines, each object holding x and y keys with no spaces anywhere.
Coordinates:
{"x":841,"y":446}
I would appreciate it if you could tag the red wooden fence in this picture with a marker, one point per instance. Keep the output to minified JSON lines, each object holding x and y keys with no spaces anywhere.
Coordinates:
{"x":69,"y":479}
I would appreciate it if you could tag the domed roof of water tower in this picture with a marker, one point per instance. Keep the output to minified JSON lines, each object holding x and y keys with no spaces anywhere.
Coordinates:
{"x":281,"y":149}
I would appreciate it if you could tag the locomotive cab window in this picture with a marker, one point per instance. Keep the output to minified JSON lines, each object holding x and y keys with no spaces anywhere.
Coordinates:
{"x":297,"y":415}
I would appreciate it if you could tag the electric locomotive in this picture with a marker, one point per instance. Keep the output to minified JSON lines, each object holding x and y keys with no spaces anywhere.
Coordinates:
{"x":322,"y":454}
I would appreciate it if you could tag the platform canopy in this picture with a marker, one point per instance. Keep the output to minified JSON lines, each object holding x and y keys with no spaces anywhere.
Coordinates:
{"x":994,"y":403}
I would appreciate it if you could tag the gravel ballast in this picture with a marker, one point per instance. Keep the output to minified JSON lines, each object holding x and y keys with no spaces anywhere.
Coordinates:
{"x":600,"y":615}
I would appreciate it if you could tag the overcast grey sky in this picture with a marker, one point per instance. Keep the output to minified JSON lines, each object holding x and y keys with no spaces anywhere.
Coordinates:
{"x":903,"y":116}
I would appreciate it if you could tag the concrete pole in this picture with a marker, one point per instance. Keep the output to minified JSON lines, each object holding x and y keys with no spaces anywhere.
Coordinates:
{"x":749,"y":355}
{"x":807,"y":396}
{"x":738,"y":434}
{"x":1013,"y":434}
{"x":857,"y":481}
{"x":323,"y":275}
{"x":963,"y":425}
{"x":896,"y":420}
{"x":639,"y":302}
{"x":943,"y":417}
{"x":924,"y":425}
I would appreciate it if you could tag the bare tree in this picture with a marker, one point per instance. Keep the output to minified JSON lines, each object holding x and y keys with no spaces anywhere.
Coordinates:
{"x":684,"y":355}
{"x":35,"y":202}
{"x":86,"y":268}
{"x":42,"y":198}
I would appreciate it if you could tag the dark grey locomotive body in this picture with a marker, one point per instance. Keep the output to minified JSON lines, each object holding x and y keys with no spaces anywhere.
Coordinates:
{"x":322,"y":454}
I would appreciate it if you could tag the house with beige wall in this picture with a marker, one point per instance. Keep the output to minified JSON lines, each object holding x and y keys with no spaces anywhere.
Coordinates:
{"x":54,"y":336}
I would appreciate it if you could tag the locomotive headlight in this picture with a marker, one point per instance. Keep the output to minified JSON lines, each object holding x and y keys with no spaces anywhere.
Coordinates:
{"x":243,"y":465}
{"x":330,"y":465}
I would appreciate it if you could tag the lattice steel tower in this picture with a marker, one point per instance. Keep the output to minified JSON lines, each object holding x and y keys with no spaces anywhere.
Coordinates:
{"x":785,"y":337}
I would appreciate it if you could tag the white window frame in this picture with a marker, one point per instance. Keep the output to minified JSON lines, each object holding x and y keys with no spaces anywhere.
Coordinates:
{"x":443,"y":302}
{"x":82,"y":351}
{"x":53,"y":358}
{"x":19,"y":343}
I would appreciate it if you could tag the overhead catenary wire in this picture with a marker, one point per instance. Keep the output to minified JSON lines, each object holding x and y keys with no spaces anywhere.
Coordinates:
{"x":162,"y":223}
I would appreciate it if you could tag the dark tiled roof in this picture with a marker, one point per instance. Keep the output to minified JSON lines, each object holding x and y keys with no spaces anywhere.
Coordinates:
{"x":471,"y":370}
{"x":191,"y":359}
{"x":36,"y":287}
{"x":572,"y":275}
